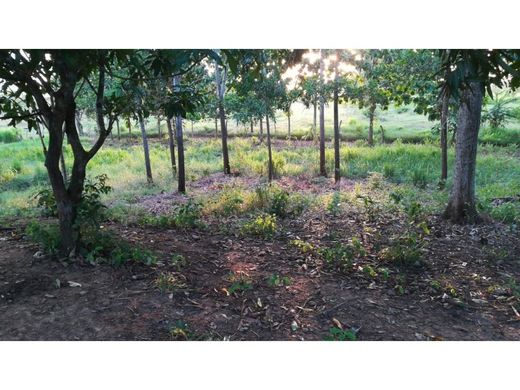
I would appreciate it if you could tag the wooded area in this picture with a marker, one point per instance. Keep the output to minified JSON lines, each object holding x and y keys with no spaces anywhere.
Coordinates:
{"x":234,"y":194}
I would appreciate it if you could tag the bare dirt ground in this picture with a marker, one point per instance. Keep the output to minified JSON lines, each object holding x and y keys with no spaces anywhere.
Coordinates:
{"x":44,"y":299}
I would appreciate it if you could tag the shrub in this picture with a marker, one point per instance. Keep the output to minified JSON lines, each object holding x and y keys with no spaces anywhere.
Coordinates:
{"x":419,"y":178}
{"x":240,"y":282}
{"x":405,"y":250}
{"x":340,"y":257}
{"x":187,"y":215}
{"x":263,"y":226}
{"x":8,"y":136}
{"x":46,"y":235}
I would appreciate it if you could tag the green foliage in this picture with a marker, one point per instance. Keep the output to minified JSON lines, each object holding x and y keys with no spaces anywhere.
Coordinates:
{"x":46,"y":235}
{"x":8,"y":136}
{"x":178,"y":261}
{"x":276,"y":280}
{"x":334,"y":206}
{"x":498,"y":111}
{"x":338,"y":334}
{"x":263,"y":226}
{"x":419,"y":178}
{"x":278,"y":204}
{"x":304,"y":246}
{"x":340,"y":256}
{"x":404,"y":250}
{"x":240,"y":282}
{"x":170,"y":281}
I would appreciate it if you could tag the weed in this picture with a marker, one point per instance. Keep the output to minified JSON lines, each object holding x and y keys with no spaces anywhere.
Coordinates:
{"x":181,"y":332}
{"x":240,"y":282}
{"x":405,"y":250}
{"x":370,"y":271}
{"x":169,"y":281}
{"x":338,"y":334}
{"x":340,"y":256}
{"x":334,"y":206}
{"x":262,"y":226}
{"x":46,"y":235}
{"x":276,"y":280}
{"x":419,"y":178}
{"x":187,"y":215}
{"x":303,"y":246}
{"x":178,"y":261}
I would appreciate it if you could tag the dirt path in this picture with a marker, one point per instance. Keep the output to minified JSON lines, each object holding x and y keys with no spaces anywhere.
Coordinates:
{"x":42,"y":299}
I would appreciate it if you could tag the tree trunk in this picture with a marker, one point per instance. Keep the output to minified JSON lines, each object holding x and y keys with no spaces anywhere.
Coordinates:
{"x":269,"y":152}
{"x":129,"y":126}
{"x":171,"y":142}
{"x":289,"y":125}
{"x":462,"y":206}
{"x":371,"y":115}
{"x":323,"y":170}
{"x":444,"y":138}
{"x":159,"y":127}
{"x":336,"y":127}
{"x":79,"y":126}
{"x":118,"y":130}
{"x":314,"y":122}
{"x":63,"y":167}
{"x":220,"y":81}
{"x":251,"y":124}
{"x":180,"y":143}
{"x":216,"y":127}
{"x":261,"y":130}
{"x":147,"y":164}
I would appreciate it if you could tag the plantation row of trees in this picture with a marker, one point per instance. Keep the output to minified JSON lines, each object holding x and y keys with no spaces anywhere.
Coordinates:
{"x":53,"y":88}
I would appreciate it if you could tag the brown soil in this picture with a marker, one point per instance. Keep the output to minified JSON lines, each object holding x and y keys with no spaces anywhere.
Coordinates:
{"x":44,"y":299}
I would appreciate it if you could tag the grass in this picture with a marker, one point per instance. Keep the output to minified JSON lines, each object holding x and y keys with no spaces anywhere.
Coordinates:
{"x":414,"y":167}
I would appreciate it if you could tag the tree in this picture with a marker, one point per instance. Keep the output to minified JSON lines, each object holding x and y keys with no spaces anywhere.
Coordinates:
{"x":469,"y":74}
{"x":336,"y":120}
{"x":374,"y":88}
{"x":323,"y":170}
{"x":41,"y":86}
{"x":181,"y":185}
{"x":220,"y":82}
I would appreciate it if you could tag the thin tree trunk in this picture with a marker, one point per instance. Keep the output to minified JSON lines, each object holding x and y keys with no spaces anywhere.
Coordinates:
{"x":220,"y":81}
{"x":323,"y":170}
{"x":118,"y":130}
{"x":171,"y":141}
{"x":462,"y":206}
{"x":216,"y":127}
{"x":40,"y":135}
{"x":180,"y":144}
{"x":129,"y":126}
{"x":336,"y":127}
{"x":314,"y":121}
{"x":251,"y":124}
{"x":269,"y":152}
{"x":261,"y":130}
{"x":371,"y":115}
{"x":63,"y":167}
{"x":146,"y":150}
{"x":159,"y":127}
{"x":79,"y":126}
{"x":444,"y":138}
{"x":289,"y":125}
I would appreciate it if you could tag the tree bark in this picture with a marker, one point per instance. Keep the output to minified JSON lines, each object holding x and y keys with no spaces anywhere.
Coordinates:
{"x":444,"y":137}
{"x":118,"y":130}
{"x":220,"y":81}
{"x":171,"y":142}
{"x":269,"y":151}
{"x":146,"y":150}
{"x":251,"y":125}
{"x":79,"y":126}
{"x":289,"y":125}
{"x":371,"y":115}
{"x":129,"y":126}
{"x":159,"y":127}
{"x":216,"y":127}
{"x":336,"y":127}
{"x":462,"y":206}
{"x":180,"y":144}
{"x":314,"y":120}
{"x":323,"y":170}
{"x":261,"y":130}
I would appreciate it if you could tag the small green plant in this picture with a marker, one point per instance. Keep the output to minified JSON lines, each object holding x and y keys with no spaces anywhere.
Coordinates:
{"x":396,"y":196}
{"x":338,"y":334}
{"x":370,"y":271}
{"x":46,"y":235}
{"x":303,"y":246}
{"x":370,"y":206}
{"x":279,"y":203}
{"x":340,"y":256}
{"x":187,"y":215}
{"x":263,"y":226}
{"x":405,"y":250}
{"x":276,"y":280}
{"x":334,"y":206}
{"x":178,"y":261}
{"x":181,"y":332}
{"x":169,"y":281}
{"x":436,"y":285}
{"x":240,"y":282}
{"x":414,"y":210}
{"x":375,"y":180}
